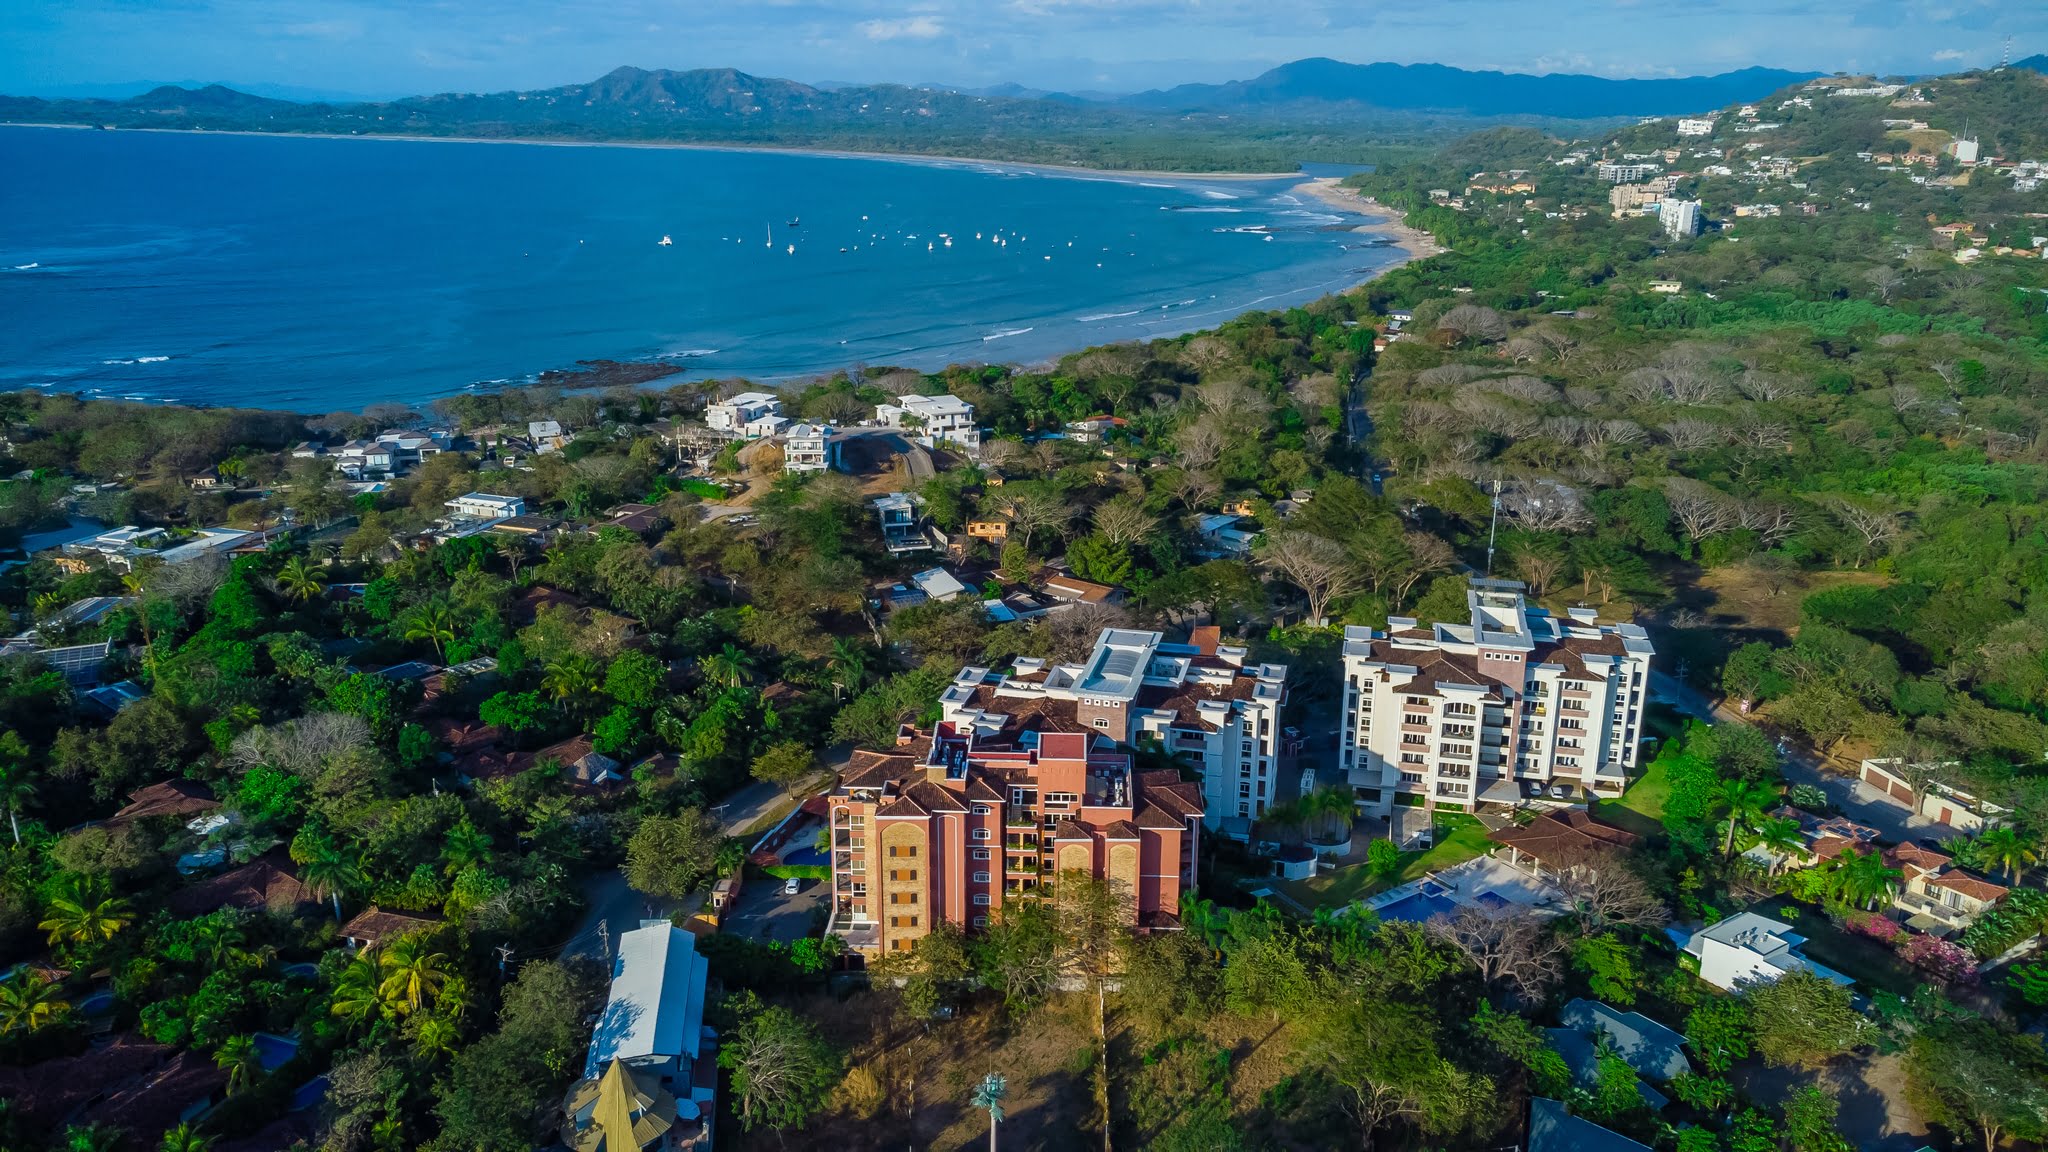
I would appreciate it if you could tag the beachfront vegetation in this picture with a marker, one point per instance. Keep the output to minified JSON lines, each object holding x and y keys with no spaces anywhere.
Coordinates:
{"x":1812,"y":471}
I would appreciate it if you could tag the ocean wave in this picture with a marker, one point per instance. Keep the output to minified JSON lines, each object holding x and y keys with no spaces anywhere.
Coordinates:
{"x":1005,"y":332}
{"x":1198,"y":208}
{"x":1216,"y":194}
{"x":139,"y":360}
{"x":686,"y":353}
{"x":1145,"y":184}
{"x":1106,"y":316}
{"x":28,"y":267}
{"x":1315,"y":217}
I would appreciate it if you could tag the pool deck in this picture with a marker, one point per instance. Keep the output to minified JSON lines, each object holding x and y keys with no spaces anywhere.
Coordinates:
{"x":1483,"y":881}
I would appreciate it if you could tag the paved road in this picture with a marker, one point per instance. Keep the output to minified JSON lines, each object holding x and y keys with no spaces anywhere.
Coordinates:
{"x":764,"y":913}
{"x":1853,"y":798}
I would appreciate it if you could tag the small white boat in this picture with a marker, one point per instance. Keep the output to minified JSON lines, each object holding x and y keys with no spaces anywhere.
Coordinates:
{"x":949,"y":241}
{"x":665,"y":242}
{"x":928,"y":245}
{"x":792,"y":249}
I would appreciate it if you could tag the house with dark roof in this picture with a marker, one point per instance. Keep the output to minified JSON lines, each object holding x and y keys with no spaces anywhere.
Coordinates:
{"x":174,"y":798}
{"x":269,"y":883}
{"x":1588,"y":1027}
{"x":132,"y":1084}
{"x":1553,"y":1129}
{"x":374,"y":927}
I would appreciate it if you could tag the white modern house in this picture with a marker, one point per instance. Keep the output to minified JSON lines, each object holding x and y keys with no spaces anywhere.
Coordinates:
{"x":934,"y":418}
{"x":749,"y":415}
{"x":1748,"y":948}
{"x":485,"y":506}
{"x":1222,"y":537}
{"x":810,"y":448}
{"x":901,"y":517}
{"x":1680,"y":218}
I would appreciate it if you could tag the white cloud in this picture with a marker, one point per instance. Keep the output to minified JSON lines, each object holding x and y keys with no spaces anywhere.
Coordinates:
{"x":1949,"y":54}
{"x":915,"y":28}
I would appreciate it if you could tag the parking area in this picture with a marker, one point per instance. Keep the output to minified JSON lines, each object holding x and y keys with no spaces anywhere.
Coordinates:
{"x":764,"y":913}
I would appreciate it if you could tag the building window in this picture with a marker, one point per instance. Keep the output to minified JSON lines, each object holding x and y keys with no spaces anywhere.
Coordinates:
{"x":981,"y":877}
{"x":902,"y":875}
{"x":980,"y":853}
{"x":902,"y":897}
{"x":982,"y":809}
{"x":981,"y":834}
{"x":983,"y":900}
{"x":909,"y":850}
{"x":1262,"y":789}
{"x":981,"y":921}
{"x":1244,"y":808}
{"x":899,"y":945}
{"x":1102,"y":721}
{"x":1244,"y":789}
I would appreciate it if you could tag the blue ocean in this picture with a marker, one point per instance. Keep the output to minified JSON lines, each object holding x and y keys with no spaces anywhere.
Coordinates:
{"x":324,"y":274}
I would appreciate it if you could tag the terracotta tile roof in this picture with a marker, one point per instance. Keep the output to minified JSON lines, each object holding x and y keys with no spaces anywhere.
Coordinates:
{"x":1175,"y":796}
{"x":1185,"y":701}
{"x":373,"y":926}
{"x":865,"y":769}
{"x":268,"y":882}
{"x":528,"y":606}
{"x":1976,"y":887}
{"x":1075,"y":588}
{"x":902,"y":806}
{"x":1548,"y":837}
{"x":1119,"y":830}
{"x":979,"y":789}
{"x":166,"y":798}
{"x":933,"y":798}
{"x":1071,"y":829}
{"x":1206,"y":639}
{"x":1903,"y":856}
{"x":130,"y":1084}
{"x":463,"y":735}
{"x":1150,"y":815}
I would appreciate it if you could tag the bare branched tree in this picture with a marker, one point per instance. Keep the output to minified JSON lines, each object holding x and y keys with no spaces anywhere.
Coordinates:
{"x":1512,"y":948}
{"x":1311,"y":563}
{"x":1200,"y":444}
{"x":1877,"y":524}
{"x":1603,"y":892}
{"x":1032,"y":511}
{"x":1773,"y":523}
{"x":1124,"y":520}
{"x":1886,"y":279}
{"x":1701,"y":509}
{"x":303,"y":746}
{"x":1427,"y":555}
{"x":1537,"y":568}
{"x":1545,"y":505}
{"x":1690,"y":433}
{"x":1474,"y":322}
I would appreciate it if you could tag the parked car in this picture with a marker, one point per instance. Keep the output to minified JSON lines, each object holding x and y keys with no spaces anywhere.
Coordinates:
{"x":1560,"y":792}
{"x":792,"y":886}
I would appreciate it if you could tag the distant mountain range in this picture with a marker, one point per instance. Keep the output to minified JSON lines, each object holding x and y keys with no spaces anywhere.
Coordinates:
{"x":1375,"y":102}
{"x":2038,"y":62}
{"x":1438,"y":88}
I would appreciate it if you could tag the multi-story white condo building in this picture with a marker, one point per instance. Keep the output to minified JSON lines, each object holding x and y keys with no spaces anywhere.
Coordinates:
{"x":1681,"y":218}
{"x":936,"y":418}
{"x":1487,"y":710}
{"x":1198,"y":700}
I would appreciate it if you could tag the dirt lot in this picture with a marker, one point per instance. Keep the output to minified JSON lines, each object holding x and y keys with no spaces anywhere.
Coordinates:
{"x":1735,"y":598}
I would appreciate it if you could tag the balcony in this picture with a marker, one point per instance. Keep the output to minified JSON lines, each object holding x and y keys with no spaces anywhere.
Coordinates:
{"x":1018,"y":816}
{"x":1025,"y":867}
{"x":1408,"y":725}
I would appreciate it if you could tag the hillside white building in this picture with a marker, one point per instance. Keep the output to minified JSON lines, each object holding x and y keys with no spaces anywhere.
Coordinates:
{"x":485,"y":506}
{"x":1484,"y":710}
{"x":810,"y":448}
{"x":1680,"y":218}
{"x":1747,"y":948}
{"x":935,"y":419}
{"x":750,"y":415}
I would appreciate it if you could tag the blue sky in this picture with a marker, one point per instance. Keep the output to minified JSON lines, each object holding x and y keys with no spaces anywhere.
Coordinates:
{"x":397,"y":47}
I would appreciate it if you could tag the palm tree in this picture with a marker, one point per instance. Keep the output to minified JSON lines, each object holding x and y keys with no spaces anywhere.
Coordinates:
{"x":299,"y":580}
{"x":329,"y":874}
{"x":2005,"y":847}
{"x":1327,"y":809}
{"x":435,"y":1036}
{"x":988,"y":1096}
{"x":434,"y":623}
{"x":1780,"y":837}
{"x":412,"y":972}
{"x":86,"y":914}
{"x":356,"y":997}
{"x":464,"y":845}
{"x":1205,"y":920}
{"x":185,"y":1138}
{"x":1744,"y":802}
{"x":238,"y":1055}
{"x":29,"y":1002}
{"x":16,"y":790}
{"x":93,"y":1138}
{"x":849,"y":662}
{"x":1861,"y":878}
{"x":728,"y":666}
{"x":574,"y":682}
{"x":221,"y":936}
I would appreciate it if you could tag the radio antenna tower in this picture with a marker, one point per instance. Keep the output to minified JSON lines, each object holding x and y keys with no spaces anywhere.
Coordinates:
{"x":2006,"y":56}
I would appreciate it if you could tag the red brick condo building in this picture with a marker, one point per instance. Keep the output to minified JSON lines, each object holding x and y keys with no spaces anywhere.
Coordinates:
{"x":956,"y":826}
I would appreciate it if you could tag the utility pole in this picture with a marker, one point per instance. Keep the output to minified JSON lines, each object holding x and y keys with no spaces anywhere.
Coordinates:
{"x":504,"y":958}
{"x":604,"y":936}
{"x":1492,"y":529}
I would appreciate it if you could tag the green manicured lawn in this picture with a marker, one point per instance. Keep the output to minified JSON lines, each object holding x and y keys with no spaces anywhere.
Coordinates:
{"x":1459,"y":837}
{"x":1641,"y":808}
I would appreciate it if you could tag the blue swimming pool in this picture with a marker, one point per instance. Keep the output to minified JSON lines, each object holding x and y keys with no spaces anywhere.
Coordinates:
{"x":1417,"y":907}
{"x":309,"y":1094}
{"x":97,"y":1004}
{"x":805,"y":856}
{"x":274,"y":1050}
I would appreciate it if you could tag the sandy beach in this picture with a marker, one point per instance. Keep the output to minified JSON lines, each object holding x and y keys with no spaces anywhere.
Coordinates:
{"x":1419,"y":245}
